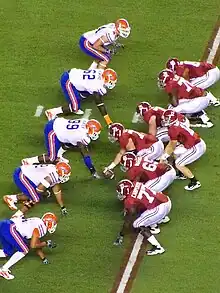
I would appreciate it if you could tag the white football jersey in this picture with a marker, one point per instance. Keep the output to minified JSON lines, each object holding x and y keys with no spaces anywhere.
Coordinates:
{"x":107,"y":30}
{"x":26,"y":226}
{"x":71,"y":131}
{"x":88,"y":80}
{"x":37,"y":173}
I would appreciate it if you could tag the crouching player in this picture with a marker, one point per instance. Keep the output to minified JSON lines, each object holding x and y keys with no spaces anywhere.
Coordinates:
{"x":18,"y":235}
{"x":78,"y":84}
{"x":95,"y":43}
{"x":155,"y":176}
{"x":152,"y":208}
{"x":185,"y":144}
{"x":62,"y":134}
{"x":34,"y":182}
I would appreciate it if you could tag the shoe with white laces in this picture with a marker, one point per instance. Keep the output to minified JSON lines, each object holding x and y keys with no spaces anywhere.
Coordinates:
{"x":191,"y":186}
{"x":10,"y":202}
{"x":6,"y":274}
{"x":79,"y":112}
{"x":215,"y":103}
{"x":155,"y":250}
{"x":51,"y":114}
{"x":165,"y":220}
{"x":154,"y":229}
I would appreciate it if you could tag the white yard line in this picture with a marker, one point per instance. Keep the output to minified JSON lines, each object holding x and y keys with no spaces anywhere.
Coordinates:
{"x":87,"y":113}
{"x":38,"y":111}
{"x":130,"y":264}
{"x":214,"y":49}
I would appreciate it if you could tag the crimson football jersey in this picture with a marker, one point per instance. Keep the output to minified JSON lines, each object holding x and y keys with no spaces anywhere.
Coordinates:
{"x":183,"y":135}
{"x":183,"y":88}
{"x":158,"y":113}
{"x":140,"y":140}
{"x":142,"y":198}
{"x":195,"y":69}
{"x":146,"y":170}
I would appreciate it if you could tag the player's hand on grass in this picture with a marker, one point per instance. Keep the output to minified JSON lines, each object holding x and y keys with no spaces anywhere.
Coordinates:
{"x":51,"y":244}
{"x":64,"y":211}
{"x":45,"y":261}
{"x":119,"y":240}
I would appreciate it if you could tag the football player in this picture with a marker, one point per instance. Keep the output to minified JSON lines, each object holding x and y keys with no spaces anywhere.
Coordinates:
{"x":152,"y":208}
{"x":61,"y":134}
{"x":185,"y":144}
{"x":153,"y":116}
{"x":77,"y":84}
{"x":18,"y":235}
{"x":200,"y":74}
{"x":155,"y":176}
{"x":186,"y":98}
{"x":95,"y":43}
{"x":132,"y":141}
{"x":34,"y":182}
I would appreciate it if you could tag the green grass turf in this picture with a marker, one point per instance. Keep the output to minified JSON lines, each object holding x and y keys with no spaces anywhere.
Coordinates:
{"x":39,"y":40}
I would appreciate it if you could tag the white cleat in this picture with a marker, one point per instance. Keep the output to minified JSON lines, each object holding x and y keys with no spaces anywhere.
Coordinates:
{"x":79,"y":112}
{"x":192,"y":186}
{"x":165,"y":220}
{"x":208,"y":124}
{"x":216,"y":103}
{"x":155,"y":250}
{"x":154,"y":229}
{"x":6,"y":274}
{"x":10,"y":202}
{"x":51,"y":114}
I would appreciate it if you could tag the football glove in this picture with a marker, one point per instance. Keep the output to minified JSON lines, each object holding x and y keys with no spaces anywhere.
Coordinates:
{"x":108,"y":173}
{"x":119,"y":240}
{"x":111,"y":51}
{"x":51,"y":244}
{"x":45,"y":261}
{"x":119,"y":45}
{"x":64,"y":211}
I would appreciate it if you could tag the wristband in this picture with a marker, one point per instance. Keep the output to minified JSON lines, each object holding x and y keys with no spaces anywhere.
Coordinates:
{"x":112,"y":166}
{"x":108,"y":119}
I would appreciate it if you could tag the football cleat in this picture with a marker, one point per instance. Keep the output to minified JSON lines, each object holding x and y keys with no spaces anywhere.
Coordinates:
{"x":79,"y":112}
{"x":154,"y":229}
{"x":208,"y":124}
{"x":192,"y":186}
{"x":6,"y":274}
{"x":10,"y":202}
{"x":155,"y":250}
{"x":180,"y":177}
{"x":165,"y":220}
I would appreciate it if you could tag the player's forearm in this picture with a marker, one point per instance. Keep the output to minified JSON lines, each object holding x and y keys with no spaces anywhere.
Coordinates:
{"x":59,"y":198}
{"x":40,"y":253}
{"x":102,"y":109}
{"x":40,"y":245}
{"x":116,"y":161}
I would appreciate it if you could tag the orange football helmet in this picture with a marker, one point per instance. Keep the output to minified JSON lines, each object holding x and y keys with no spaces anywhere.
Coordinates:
{"x":64,"y":171}
{"x":94,"y":128}
{"x":110,"y":78}
{"x":123,"y":27}
{"x":50,"y":221}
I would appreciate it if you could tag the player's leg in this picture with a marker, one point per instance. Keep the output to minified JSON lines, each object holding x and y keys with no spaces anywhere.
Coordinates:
{"x":207,"y":80}
{"x":149,"y":218}
{"x":194,"y":108}
{"x":72,"y":97}
{"x":15,"y":243}
{"x":188,"y":157}
{"x":101,"y":59}
{"x":162,"y":134}
{"x":161,"y":183}
{"x":154,"y":152}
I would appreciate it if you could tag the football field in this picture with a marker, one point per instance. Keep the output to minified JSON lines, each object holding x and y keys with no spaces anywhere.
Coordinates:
{"x":39,"y":41}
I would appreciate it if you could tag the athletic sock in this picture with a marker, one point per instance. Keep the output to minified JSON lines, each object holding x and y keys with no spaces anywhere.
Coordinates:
{"x":153,"y":241}
{"x":13,"y":260}
{"x":193,"y":180}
